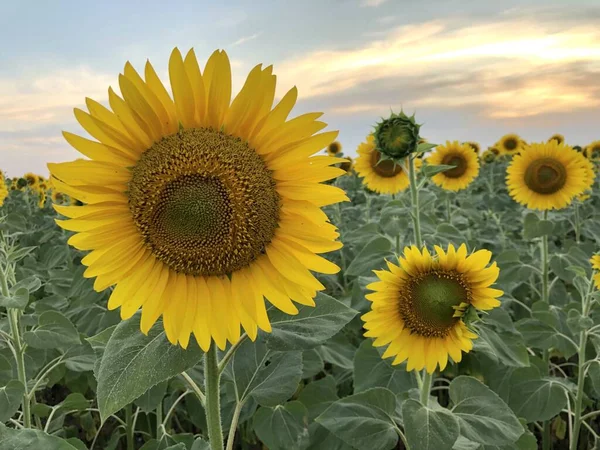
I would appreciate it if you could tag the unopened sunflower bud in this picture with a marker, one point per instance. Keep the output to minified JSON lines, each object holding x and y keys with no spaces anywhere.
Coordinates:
{"x":397,"y":136}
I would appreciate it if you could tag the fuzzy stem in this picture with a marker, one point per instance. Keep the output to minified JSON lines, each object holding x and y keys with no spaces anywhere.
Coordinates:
{"x":426,"y":388}
{"x":577,"y":223}
{"x":129,"y":427}
{"x":213,"y":407}
{"x":233,"y":427}
{"x":414,"y":197}
{"x":546,"y":436}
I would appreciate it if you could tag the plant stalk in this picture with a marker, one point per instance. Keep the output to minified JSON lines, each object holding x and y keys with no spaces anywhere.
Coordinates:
{"x":426,"y":388}
{"x":233,"y":427}
{"x":213,"y":407}
{"x":414,"y":198}
{"x":129,"y":427}
{"x":546,"y":435}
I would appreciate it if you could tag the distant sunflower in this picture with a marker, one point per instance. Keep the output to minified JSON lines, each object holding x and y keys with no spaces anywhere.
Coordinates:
{"x":347,"y":165}
{"x":459,"y":155}
{"x":32,"y":179}
{"x":592,"y":151}
{"x":474,"y":146}
{"x":41,"y":199}
{"x":547,"y":176}
{"x":59,"y":197}
{"x":596,"y":266}
{"x":494,"y":150}
{"x":382,"y":176}
{"x":197,"y":208}
{"x":3,"y":189}
{"x":334,"y":148}
{"x":418,"y":305}
{"x":510,"y":144}
{"x":488,"y":157}
{"x":559,"y":138}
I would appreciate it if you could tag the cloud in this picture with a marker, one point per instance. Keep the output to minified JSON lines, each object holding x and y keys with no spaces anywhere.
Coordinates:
{"x":515,"y":66}
{"x":245,"y":39}
{"x":372,"y":3}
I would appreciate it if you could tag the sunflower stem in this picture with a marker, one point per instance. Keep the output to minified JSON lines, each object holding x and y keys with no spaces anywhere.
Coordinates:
{"x":414,"y":197}
{"x":17,"y":342}
{"x":426,"y":388}
{"x":213,"y":407}
{"x":583,"y":334}
{"x":546,"y":435}
{"x":577,"y":224}
{"x":129,"y":428}
{"x":448,"y":212}
{"x":159,"y":411}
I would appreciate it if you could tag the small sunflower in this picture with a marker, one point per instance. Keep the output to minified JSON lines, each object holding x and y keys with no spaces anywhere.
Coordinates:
{"x":596,"y":266}
{"x":494,"y":150}
{"x":510,"y":144}
{"x":347,"y":165}
{"x":418,"y":305}
{"x":197,"y":208}
{"x":547,"y":176}
{"x":59,"y":197}
{"x":559,"y":138}
{"x":32,"y":179}
{"x":380,"y":175}
{"x":488,"y":157}
{"x":474,"y":146}
{"x":459,"y":155}
{"x":334,"y":148}
{"x":3,"y":189}
{"x":592,"y":151}
{"x":41,"y":199}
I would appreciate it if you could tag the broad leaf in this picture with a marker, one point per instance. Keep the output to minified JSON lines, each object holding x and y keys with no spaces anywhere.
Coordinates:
{"x":318,"y":395}
{"x":54,"y":331}
{"x":504,"y":348}
{"x":310,"y":327}
{"x":429,"y":429}
{"x":132,"y":363}
{"x":283,"y":427}
{"x":535,"y":398}
{"x":364,"y":420}
{"x":11,"y":397}
{"x":483,"y":416}
{"x":372,"y":256}
{"x":28,"y":439}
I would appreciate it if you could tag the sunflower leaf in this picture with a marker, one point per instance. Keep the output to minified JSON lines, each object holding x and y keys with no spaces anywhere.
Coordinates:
{"x":431,"y":170}
{"x":133,"y":362}
{"x":310,"y":327}
{"x":27,"y":439}
{"x":429,"y":429}
{"x":283,"y":427}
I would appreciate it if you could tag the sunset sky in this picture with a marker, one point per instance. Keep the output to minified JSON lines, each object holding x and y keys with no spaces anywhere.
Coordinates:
{"x":471,"y":70}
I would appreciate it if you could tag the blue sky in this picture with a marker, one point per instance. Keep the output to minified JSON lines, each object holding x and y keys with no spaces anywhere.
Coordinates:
{"x":471,"y":70}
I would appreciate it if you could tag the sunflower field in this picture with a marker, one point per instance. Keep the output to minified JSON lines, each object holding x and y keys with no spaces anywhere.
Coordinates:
{"x":216,"y":274}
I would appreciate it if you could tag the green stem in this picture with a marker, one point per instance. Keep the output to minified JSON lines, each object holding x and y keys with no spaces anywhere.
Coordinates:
{"x":15,"y":329}
{"x":426,"y":388}
{"x":213,"y":408}
{"x":577,"y":223}
{"x":585,"y":307}
{"x":448,"y":212}
{"x":546,"y":435}
{"x":414,"y":197}
{"x":159,"y":410}
{"x":129,"y":426}
{"x":231,"y":352}
{"x":233,"y":427}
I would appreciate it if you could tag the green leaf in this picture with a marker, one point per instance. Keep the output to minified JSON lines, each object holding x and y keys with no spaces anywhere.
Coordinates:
{"x":31,"y":283}
{"x":18,"y":299}
{"x":20,"y":253}
{"x":54,"y":331}
{"x":429,"y":429}
{"x":535,"y":398}
{"x":364,"y":420}
{"x":318,"y":395}
{"x":98,"y":343}
{"x":310,"y":327}
{"x":370,"y":370}
{"x":269,"y":377}
{"x":75,"y":401}
{"x":503,"y":348}
{"x":11,"y":396}
{"x":449,"y":233}
{"x":425,"y":147}
{"x":28,"y":439}
{"x":483,"y":416}
{"x":431,"y":170}
{"x":312,"y":363}
{"x":152,"y":397}
{"x":536,"y":333}
{"x":132,"y":363}
{"x":283,"y":427}
{"x":533,"y":227}
{"x":200,"y":444}
{"x":372,"y":256}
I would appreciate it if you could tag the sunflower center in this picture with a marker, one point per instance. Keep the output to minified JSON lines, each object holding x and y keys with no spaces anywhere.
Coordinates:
{"x":204,"y":202}
{"x":510,"y":144}
{"x":427,"y":302}
{"x":455,"y":160}
{"x":334,"y":148}
{"x":545,"y":176}
{"x":386,"y":168}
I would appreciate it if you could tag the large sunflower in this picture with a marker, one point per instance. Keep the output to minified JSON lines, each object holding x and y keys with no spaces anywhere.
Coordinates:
{"x":197,"y":207}
{"x":418,"y":305}
{"x":510,"y":144}
{"x":596,"y":266}
{"x":547,"y":176}
{"x":382,"y":176}
{"x":459,"y":155}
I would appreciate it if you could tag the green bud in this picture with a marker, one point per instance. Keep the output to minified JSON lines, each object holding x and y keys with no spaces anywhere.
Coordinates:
{"x":21,"y":183}
{"x":397,"y":136}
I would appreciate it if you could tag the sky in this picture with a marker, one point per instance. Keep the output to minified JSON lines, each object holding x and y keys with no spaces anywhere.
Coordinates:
{"x":469,"y":69}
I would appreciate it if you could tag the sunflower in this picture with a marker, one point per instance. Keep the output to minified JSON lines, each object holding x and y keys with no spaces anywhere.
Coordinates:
{"x":590,"y":178}
{"x":596,"y":266}
{"x":418,"y":305}
{"x":3,"y":189}
{"x":494,"y":150}
{"x":347,"y":165}
{"x":459,"y":155}
{"x":488,"y":157}
{"x":41,"y":199}
{"x":32,"y":179}
{"x":382,"y":176}
{"x":547,"y":176}
{"x":510,"y":144}
{"x":59,"y":197}
{"x":559,"y":138}
{"x":197,"y":208}
{"x":592,"y":151}
{"x":474,"y":146}
{"x":334,"y":148}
